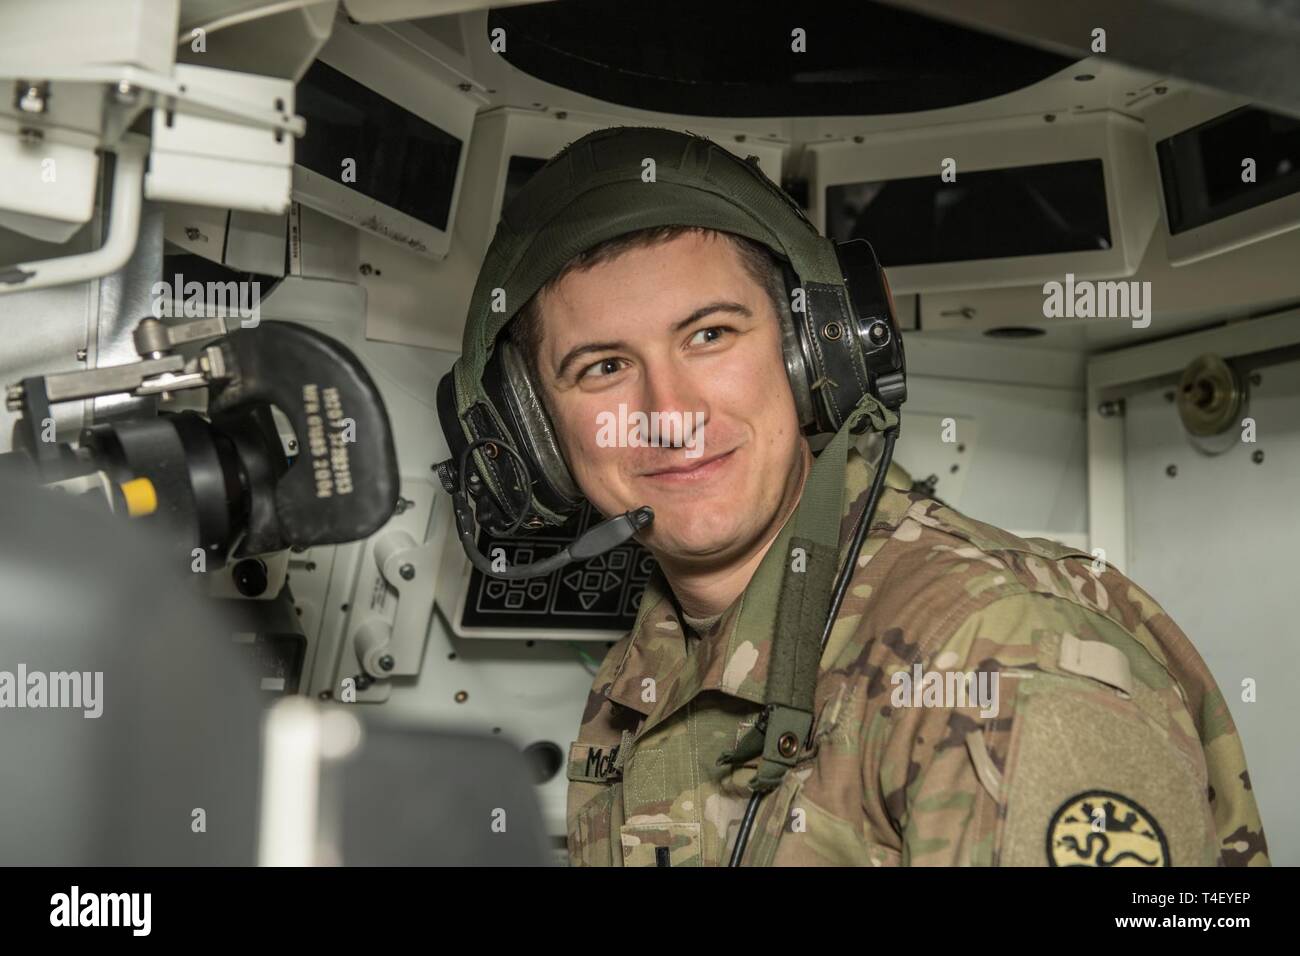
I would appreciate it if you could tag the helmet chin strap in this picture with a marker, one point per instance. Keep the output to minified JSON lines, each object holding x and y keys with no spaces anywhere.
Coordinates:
{"x":606,"y":536}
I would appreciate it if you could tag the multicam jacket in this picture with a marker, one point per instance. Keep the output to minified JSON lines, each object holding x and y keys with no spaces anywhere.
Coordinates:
{"x":1106,"y":743}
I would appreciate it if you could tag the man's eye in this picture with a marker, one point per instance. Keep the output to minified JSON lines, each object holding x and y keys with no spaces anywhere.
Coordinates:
{"x":601,"y":369}
{"x":712,"y":334}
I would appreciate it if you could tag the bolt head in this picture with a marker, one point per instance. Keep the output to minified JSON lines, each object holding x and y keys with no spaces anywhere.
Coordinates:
{"x":31,"y":97}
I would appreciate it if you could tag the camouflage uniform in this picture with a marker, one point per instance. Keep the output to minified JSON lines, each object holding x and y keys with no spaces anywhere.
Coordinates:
{"x":1110,"y":745}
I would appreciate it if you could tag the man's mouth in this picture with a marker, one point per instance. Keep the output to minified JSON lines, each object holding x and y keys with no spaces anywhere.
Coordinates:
{"x":693,"y":471}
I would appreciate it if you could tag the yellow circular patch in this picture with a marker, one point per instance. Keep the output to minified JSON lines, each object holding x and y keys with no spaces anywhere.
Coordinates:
{"x":1101,"y":828}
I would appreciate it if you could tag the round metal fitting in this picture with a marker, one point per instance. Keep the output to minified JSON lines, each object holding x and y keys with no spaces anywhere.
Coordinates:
{"x":1210,"y":396}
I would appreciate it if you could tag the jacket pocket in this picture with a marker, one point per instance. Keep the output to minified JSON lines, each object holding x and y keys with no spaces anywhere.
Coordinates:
{"x":591,"y":826}
{"x":660,"y":844}
{"x":594,"y":809}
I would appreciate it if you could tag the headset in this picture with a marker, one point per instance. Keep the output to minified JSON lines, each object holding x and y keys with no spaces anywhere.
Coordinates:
{"x":840,"y":337}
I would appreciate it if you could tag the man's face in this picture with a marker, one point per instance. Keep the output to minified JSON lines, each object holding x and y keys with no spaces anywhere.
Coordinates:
{"x":679,"y":332}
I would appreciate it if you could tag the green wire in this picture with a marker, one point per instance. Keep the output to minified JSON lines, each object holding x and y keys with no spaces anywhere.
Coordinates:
{"x":595,"y":664}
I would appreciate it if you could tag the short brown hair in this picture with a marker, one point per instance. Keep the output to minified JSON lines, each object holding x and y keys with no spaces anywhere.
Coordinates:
{"x":525,"y":330}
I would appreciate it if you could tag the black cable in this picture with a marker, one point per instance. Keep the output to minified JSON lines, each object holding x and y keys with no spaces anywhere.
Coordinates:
{"x":841,"y":588}
{"x":746,"y":824}
{"x":463,"y":470}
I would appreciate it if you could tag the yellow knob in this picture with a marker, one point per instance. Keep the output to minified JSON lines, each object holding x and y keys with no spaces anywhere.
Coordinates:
{"x":141,"y":498}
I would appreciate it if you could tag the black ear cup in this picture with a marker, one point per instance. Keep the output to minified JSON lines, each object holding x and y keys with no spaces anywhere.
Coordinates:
{"x":794,"y":351}
{"x":516,"y":397}
{"x":877,"y":340}
{"x":841,"y":341}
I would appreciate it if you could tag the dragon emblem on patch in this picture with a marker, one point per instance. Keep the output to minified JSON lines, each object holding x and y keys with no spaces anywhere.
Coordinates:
{"x":1102,"y":828}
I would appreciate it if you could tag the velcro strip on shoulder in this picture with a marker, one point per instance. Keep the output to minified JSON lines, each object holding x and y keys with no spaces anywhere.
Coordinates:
{"x":1098,"y":660}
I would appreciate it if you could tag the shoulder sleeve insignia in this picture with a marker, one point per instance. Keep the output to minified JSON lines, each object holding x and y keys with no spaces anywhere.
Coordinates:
{"x":1101,"y":828}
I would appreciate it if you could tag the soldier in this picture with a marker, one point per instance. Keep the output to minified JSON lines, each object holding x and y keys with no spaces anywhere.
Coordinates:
{"x":954,"y":695}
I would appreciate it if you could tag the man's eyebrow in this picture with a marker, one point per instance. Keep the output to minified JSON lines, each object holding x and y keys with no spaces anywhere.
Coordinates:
{"x":721,"y":305}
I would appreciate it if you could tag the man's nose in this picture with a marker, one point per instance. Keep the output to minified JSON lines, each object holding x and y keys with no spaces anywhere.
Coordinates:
{"x":671,"y":388}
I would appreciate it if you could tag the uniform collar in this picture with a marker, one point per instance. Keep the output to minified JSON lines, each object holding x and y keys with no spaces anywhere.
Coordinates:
{"x":728,"y":661}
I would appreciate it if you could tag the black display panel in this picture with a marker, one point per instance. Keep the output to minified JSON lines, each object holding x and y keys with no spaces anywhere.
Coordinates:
{"x":1201,"y":168}
{"x":600,"y":594}
{"x":984,"y":214}
{"x":402,"y":161}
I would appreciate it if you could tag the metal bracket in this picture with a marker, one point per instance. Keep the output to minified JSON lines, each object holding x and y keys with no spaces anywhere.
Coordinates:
{"x":390,"y":596}
{"x":119,"y":244}
{"x":384,"y":649}
{"x":172,"y":93}
{"x":159,"y":373}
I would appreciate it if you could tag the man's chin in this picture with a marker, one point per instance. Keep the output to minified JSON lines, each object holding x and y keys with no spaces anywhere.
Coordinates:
{"x":693,"y":545}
